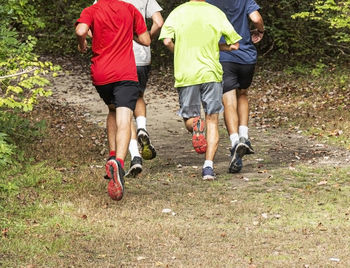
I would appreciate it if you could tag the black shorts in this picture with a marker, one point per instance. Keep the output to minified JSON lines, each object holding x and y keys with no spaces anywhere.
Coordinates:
{"x":142,"y":74}
{"x":237,"y":76}
{"x":121,"y":93}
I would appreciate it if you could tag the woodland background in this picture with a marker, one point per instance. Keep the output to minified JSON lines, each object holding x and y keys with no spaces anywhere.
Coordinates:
{"x":288,"y":207}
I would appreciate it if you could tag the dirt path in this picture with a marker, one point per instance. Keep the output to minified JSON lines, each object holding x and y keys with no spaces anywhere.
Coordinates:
{"x":257,"y":216}
{"x":276,"y":148}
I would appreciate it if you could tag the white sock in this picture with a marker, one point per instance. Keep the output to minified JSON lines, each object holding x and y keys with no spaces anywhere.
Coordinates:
{"x":141,"y":122}
{"x":243,"y":131}
{"x":134,"y":149}
{"x":234,"y":139}
{"x":208,"y":163}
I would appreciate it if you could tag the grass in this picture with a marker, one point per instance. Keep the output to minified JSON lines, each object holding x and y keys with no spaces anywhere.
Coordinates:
{"x":286,"y":220}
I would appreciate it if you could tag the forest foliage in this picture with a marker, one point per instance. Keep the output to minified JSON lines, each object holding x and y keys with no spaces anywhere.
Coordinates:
{"x":306,"y":31}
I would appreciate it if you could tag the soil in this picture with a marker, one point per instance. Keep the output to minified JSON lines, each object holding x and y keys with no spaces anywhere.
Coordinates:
{"x":275,"y":147}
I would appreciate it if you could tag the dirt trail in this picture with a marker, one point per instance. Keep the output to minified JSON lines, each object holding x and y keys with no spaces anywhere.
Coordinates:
{"x":275,"y":148}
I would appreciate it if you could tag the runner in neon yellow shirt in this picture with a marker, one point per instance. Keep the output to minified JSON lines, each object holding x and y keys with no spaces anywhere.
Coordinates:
{"x":192,"y":31}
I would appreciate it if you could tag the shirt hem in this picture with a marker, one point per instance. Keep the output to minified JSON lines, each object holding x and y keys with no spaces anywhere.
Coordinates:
{"x":196,"y":83}
{"x":113,"y":81}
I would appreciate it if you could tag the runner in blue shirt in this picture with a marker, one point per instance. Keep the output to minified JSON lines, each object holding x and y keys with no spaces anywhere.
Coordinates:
{"x":238,"y":66}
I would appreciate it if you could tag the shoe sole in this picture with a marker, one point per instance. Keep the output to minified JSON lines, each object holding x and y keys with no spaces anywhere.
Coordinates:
{"x":240,"y":152}
{"x":134,"y":171}
{"x":147,"y":150}
{"x":198,"y":139}
{"x":115,"y":185}
{"x":208,"y":178}
{"x":250,"y":150}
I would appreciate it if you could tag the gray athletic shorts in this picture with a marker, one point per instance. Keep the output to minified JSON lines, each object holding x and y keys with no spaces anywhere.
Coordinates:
{"x":207,"y":94}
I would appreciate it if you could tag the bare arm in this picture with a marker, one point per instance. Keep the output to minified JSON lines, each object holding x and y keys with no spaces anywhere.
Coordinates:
{"x":156,"y":25}
{"x":226,"y":47}
{"x":168,"y":42}
{"x":143,"y":39}
{"x":258,"y":22}
{"x":81,"y":31}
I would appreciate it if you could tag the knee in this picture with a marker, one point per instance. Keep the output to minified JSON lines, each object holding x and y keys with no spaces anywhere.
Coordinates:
{"x":242,"y":92}
{"x":212,"y":118}
{"x":111,"y":108}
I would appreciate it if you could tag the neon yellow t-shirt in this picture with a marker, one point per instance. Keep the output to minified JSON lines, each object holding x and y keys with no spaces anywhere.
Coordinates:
{"x":196,"y":28}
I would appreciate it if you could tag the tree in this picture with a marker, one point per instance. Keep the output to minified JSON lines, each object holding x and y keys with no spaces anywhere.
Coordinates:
{"x":336,"y":14}
{"x":21,"y":72}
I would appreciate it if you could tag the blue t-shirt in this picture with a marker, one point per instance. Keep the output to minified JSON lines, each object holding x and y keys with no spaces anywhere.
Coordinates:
{"x":237,"y":13}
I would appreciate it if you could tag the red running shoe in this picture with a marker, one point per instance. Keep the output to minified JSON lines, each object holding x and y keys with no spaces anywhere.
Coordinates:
{"x":115,"y":174}
{"x":198,"y":137}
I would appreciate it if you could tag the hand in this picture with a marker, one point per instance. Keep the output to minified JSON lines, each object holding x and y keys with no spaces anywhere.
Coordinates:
{"x":84,"y":48}
{"x":234,"y":46}
{"x":226,"y":47}
{"x":256,"y":36}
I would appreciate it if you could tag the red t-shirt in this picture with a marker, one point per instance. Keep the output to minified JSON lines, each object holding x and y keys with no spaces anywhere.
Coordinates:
{"x":113,"y":24}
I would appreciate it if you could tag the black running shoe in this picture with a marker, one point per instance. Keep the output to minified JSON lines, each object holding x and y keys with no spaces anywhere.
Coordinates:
{"x":249,"y":148}
{"x":147,"y":150}
{"x":237,"y":152}
{"x":135,"y":167}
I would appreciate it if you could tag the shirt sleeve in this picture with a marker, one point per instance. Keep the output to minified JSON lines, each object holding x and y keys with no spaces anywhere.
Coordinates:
{"x":151,"y":8}
{"x":85,"y":17}
{"x":168,"y":29}
{"x":252,"y":6}
{"x":228,"y":32}
{"x":139,"y":23}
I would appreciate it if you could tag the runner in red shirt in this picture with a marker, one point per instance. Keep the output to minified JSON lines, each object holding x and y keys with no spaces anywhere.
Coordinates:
{"x":114,"y":25}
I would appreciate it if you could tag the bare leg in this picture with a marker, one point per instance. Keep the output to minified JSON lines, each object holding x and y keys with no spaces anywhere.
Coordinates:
{"x":230,"y":111}
{"x":123,"y":116}
{"x":212,"y":135}
{"x":133,"y":131}
{"x":118,"y":132}
{"x":189,"y":124}
{"x":243,"y":107}
{"x":140,"y":109}
{"x":111,"y":128}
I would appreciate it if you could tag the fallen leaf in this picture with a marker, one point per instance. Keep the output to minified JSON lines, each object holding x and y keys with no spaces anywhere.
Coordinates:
{"x":322,"y":183}
{"x":166,"y":210}
{"x":4,"y":232}
{"x":255,"y":223}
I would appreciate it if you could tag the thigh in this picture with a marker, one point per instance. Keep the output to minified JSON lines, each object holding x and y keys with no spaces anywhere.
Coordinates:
{"x":142,"y":74}
{"x":230,"y":76}
{"x":106,"y":93}
{"x":246,"y":73}
{"x":211,"y":96}
{"x":125,"y":94}
{"x":190,"y":101}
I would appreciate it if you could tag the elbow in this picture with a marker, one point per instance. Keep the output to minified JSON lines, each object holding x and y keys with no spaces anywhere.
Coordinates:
{"x":147,"y":41}
{"x":167,"y":42}
{"x":80,"y":32}
{"x":160,"y":23}
{"x":256,"y":18}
